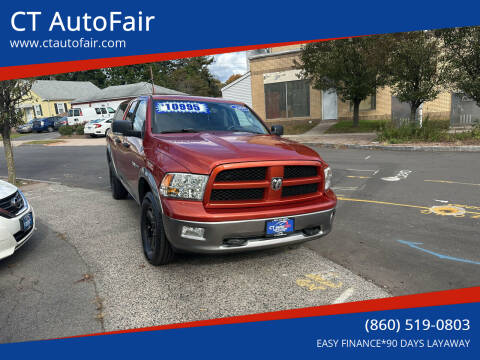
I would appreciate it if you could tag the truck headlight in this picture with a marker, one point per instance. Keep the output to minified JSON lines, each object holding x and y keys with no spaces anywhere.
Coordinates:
{"x":183,"y":186}
{"x":328,"y":177}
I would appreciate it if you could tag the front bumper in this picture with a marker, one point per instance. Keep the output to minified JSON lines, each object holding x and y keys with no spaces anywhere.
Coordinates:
{"x":251,"y":233}
{"x":11,"y":235}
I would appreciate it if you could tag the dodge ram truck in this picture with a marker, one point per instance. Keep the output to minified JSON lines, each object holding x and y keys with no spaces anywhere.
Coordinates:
{"x":211,"y":177}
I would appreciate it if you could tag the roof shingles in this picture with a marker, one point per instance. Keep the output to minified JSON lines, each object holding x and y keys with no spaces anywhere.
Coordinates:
{"x":63,"y":90}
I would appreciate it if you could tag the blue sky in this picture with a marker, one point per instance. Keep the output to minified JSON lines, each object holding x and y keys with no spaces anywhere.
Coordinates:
{"x":227,"y":64}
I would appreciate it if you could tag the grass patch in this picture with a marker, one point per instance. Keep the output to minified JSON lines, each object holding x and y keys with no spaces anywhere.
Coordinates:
{"x":364,"y":126}
{"x":431,"y":131}
{"x":300,"y":128}
{"x":42,"y":142}
{"x":14,"y":135}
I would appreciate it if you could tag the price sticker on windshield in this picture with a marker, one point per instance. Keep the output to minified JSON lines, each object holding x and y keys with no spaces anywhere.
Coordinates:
{"x":181,"y":107}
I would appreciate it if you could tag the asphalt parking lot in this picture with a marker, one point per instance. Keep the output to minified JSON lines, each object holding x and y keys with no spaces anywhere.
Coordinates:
{"x":407,"y":222}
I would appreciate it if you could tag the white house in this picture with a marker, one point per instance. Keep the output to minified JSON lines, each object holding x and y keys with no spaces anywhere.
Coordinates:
{"x":112,"y":96}
{"x":239,"y":90}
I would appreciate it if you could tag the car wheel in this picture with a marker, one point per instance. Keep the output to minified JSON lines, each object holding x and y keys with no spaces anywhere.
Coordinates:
{"x":93,"y":135}
{"x":118,"y":190}
{"x":156,"y":247}
{"x":50,"y":129}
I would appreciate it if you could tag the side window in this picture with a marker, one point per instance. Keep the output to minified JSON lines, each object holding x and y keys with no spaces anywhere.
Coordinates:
{"x":131,"y":111}
{"x":140,"y":116}
{"x":76,"y":112}
{"x":120,"y":111}
{"x":103,"y":110}
{"x":98,"y":111}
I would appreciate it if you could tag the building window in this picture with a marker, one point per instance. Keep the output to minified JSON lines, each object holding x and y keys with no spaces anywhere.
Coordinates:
{"x":59,"y":108}
{"x":287,"y":99}
{"x":38,"y":110}
{"x":370,"y":103}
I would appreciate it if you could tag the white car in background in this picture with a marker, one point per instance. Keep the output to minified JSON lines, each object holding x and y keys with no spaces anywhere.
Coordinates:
{"x":17,"y":219}
{"x":97,"y":127}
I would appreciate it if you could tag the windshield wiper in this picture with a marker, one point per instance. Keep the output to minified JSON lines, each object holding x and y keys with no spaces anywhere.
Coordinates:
{"x":188,"y":130}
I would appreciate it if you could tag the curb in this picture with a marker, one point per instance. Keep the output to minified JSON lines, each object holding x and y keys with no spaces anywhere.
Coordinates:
{"x":465,"y":148}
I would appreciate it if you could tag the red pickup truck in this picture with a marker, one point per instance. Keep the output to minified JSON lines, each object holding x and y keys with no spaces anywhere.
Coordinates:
{"x":210,"y":177}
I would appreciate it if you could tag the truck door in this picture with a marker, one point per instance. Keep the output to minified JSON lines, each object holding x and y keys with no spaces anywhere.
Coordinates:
{"x":135,"y":155}
{"x":120,"y":148}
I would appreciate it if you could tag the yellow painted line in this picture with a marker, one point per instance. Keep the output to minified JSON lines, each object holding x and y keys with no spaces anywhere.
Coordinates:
{"x":383,"y":203}
{"x":451,"y":182}
{"x":394,"y":204}
{"x":359,"y":177}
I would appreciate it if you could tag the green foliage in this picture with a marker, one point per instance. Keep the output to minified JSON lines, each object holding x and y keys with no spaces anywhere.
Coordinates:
{"x":190,"y":75}
{"x":414,"y":68}
{"x":462,"y":56}
{"x":66,"y":130}
{"x":431,"y":131}
{"x":79,"y":129}
{"x":12,"y":93}
{"x":353,"y":67}
{"x":364,"y":126}
{"x":97,"y":77}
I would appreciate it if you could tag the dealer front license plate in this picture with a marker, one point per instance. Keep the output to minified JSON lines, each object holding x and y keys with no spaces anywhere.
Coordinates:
{"x":278,"y":227}
{"x":26,"y":222}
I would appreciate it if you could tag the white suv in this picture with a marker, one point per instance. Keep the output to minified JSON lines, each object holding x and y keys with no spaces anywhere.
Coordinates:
{"x":17,"y":220}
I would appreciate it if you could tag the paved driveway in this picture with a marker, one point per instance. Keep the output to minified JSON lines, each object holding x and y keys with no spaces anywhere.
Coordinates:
{"x":97,"y":235}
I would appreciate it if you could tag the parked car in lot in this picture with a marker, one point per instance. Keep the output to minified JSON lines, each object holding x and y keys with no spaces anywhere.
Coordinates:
{"x":211,"y":177}
{"x":25,"y":128}
{"x":44,"y":124}
{"x":97,"y":127}
{"x":59,"y":122}
{"x":77,"y":116}
{"x":17,"y":219}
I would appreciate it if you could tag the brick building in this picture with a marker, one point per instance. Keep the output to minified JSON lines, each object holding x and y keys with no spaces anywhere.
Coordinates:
{"x":280,"y":96}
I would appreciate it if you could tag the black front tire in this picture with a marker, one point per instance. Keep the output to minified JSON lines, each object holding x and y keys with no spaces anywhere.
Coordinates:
{"x":118,"y":190}
{"x":156,"y":247}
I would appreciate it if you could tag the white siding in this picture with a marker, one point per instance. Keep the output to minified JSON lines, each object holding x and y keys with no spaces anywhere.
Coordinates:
{"x":239,"y":90}
{"x":107,"y":103}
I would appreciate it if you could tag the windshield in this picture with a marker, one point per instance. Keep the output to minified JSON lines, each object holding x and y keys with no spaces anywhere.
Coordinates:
{"x":193,"y":116}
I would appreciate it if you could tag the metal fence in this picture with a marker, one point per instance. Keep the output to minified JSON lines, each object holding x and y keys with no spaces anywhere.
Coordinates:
{"x":465,"y":111}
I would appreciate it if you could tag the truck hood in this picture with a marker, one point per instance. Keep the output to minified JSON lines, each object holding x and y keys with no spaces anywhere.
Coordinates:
{"x":201,"y":152}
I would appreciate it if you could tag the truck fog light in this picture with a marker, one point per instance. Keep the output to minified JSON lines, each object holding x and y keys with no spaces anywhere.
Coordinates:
{"x":195,"y":233}
{"x":332,"y":216}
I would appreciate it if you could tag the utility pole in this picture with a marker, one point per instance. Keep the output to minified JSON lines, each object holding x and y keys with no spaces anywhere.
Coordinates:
{"x":151,"y":79}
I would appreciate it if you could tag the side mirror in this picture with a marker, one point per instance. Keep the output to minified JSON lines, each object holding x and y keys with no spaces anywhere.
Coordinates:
{"x":277,"y":130}
{"x":124,"y":127}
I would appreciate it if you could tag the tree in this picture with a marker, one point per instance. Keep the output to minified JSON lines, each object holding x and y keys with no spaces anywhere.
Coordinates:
{"x":97,"y":77}
{"x":416,"y":74}
{"x":12,"y":93}
{"x":232,"y":78}
{"x":353,"y":67}
{"x":461,"y":49}
{"x":190,"y":75}
{"x":193,"y":77}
